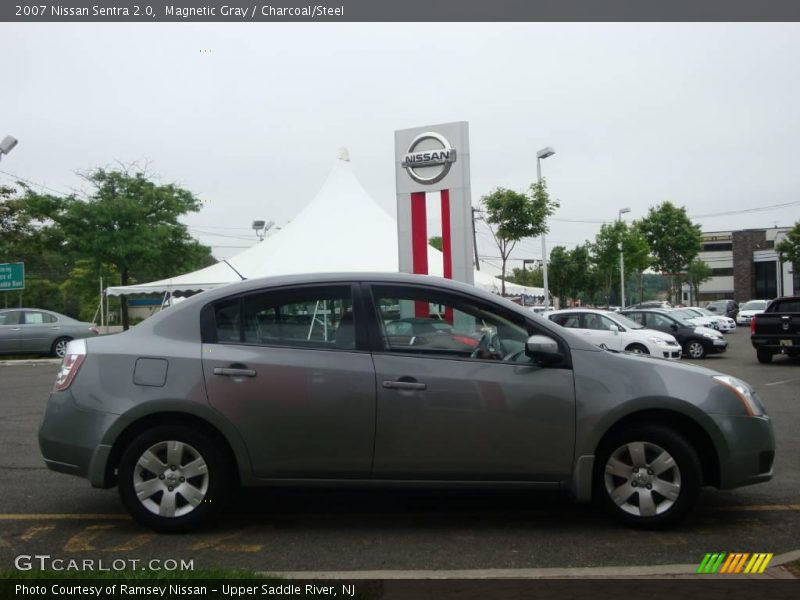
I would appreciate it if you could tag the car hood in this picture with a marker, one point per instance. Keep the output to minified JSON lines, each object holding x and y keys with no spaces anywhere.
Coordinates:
{"x":750,"y":313}
{"x":707,"y":330}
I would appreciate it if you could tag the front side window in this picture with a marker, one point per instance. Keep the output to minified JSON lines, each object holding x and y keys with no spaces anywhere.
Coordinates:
{"x":637,"y":317}
{"x":416,"y":320}
{"x":570,"y":321}
{"x":317,"y":317}
{"x":659,"y":321}
{"x":11,"y":317}
{"x":598,"y":322}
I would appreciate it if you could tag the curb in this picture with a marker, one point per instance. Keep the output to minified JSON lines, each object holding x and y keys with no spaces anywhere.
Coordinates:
{"x":30,"y":362}
{"x":689,"y":571}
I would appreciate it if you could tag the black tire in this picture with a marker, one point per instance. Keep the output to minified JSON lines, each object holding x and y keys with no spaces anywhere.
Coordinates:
{"x":695,"y":349}
{"x":210,"y":488}
{"x":764,"y":356}
{"x":59,"y":347}
{"x":637,"y":349}
{"x":683,"y":478}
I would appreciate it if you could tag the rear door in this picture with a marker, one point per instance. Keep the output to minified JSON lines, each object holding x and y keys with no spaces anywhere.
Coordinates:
{"x":288,"y":368}
{"x":484,"y":413}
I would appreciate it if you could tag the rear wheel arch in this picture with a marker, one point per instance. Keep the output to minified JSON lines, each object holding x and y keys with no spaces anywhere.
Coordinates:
{"x":682,"y":424}
{"x":133,"y":430}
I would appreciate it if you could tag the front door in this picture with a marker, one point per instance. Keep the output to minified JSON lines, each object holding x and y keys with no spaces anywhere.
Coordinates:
{"x":285,"y":368}
{"x":466,"y":403}
{"x":10,"y":331}
{"x":39,"y":330}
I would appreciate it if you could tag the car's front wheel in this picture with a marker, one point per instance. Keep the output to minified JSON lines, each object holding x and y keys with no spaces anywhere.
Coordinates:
{"x":173,"y":479}
{"x":695,"y":349}
{"x":637,"y":349}
{"x":648,"y":476}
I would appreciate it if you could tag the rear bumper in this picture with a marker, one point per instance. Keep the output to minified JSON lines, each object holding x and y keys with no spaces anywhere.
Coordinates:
{"x":69,"y":438}
{"x":776,"y":343}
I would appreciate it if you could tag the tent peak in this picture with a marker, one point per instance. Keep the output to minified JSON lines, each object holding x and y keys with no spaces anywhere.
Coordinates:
{"x":344,"y":155}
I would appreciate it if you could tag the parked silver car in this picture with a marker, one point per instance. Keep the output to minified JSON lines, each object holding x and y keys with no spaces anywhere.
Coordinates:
{"x":294,"y":380}
{"x":37,"y":331}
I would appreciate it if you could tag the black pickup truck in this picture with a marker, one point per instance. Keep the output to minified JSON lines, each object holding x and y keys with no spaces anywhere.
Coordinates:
{"x":777,"y":329}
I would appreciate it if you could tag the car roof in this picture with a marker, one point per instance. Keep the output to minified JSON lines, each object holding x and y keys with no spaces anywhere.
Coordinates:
{"x":583,"y":310}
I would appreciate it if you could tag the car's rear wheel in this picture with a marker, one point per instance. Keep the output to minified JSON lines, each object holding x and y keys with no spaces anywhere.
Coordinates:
{"x":648,"y":476}
{"x":637,"y":349}
{"x":59,"y":347}
{"x":764,"y":356}
{"x":695,"y":349}
{"x":173,"y":479}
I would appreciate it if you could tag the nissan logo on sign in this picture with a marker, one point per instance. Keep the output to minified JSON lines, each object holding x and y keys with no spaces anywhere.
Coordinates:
{"x":430,"y":164}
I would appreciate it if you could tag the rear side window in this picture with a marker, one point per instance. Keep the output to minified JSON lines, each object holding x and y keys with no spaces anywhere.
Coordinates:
{"x":318,"y":317}
{"x":786,"y":306}
{"x":570,"y":321}
{"x":38,"y":318}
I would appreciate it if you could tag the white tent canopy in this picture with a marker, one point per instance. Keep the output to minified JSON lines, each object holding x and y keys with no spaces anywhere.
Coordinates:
{"x":342,"y":229}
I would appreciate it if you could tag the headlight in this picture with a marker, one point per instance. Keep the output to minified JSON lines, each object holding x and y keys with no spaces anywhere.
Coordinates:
{"x":743,"y":392}
{"x":711,"y":336}
{"x":659,"y":341}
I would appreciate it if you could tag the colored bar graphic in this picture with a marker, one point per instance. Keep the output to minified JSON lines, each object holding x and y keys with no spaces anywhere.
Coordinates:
{"x":736,"y":562}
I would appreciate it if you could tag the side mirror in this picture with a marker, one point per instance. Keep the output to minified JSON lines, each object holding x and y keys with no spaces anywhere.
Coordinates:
{"x":614,"y":329}
{"x":543,"y":348}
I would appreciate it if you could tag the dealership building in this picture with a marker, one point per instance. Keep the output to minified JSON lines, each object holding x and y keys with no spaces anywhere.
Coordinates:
{"x":745,"y":265}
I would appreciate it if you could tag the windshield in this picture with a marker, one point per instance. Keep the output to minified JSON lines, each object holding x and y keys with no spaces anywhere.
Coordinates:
{"x":754,"y":305}
{"x":705,"y":311}
{"x":683,"y":315}
{"x":626,"y":322}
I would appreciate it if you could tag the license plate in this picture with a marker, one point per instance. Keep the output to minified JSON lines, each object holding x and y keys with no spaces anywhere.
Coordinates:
{"x":786,"y":342}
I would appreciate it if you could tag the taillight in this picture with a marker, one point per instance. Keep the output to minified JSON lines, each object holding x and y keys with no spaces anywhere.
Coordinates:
{"x":73,"y":359}
{"x":753,"y":325}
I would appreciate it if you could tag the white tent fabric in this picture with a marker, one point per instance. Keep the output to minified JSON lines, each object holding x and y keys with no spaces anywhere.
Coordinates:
{"x":342,"y":229}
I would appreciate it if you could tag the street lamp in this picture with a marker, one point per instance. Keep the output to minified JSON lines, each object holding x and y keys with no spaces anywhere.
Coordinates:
{"x":622,"y":211}
{"x":540,"y":155}
{"x":7,"y":145}
{"x":261,"y":228}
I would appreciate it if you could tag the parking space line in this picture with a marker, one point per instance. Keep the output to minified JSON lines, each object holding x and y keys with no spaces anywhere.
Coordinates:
{"x":782,"y":382}
{"x":134,"y":543}
{"x":36,"y":530}
{"x":82,"y":542}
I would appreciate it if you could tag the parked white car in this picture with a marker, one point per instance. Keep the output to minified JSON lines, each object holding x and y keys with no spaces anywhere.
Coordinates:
{"x":750,"y":309}
{"x":614,"y":331}
{"x":719,"y":322}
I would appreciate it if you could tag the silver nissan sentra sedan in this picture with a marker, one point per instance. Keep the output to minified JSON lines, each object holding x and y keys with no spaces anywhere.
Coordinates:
{"x":303,"y":380}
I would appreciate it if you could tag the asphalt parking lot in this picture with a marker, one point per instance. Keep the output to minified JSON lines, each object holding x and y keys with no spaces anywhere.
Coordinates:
{"x":42,"y":512}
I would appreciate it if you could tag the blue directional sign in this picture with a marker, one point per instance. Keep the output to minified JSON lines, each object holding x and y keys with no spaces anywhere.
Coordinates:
{"x":12,"y":276}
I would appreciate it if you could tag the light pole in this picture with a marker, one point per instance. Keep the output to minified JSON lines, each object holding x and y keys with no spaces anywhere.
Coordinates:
{"x":261,"y":228}
{"x":540,"y":155}
{"x":622,"y":211}
{"x":7,"y":145}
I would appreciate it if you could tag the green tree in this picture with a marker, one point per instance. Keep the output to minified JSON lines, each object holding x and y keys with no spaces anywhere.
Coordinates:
{"x":606,"y":253}
{"x":529,"y":277}
{"x":560,"y":273}
{"x":127,"y":223}
{"x":789,"y":247}
{"x":674,"y":240}
{"x":697,"y":273}
{"x":513,"y":216}
{"x":436,"y":242}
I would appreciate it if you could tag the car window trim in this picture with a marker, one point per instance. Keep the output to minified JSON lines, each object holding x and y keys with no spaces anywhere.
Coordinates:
{"x":376,"y":338}
{"x":208,"y":326}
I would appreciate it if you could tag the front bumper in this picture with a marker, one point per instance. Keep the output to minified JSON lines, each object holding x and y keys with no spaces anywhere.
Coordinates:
{"x":69,"y":438}
{"x":750,"y":451}
{"x":716,"y":346}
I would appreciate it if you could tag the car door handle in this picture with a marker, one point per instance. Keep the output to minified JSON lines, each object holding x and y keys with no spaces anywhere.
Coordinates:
{"x":404,"y":385}
{"x":16,"y":328}
{"x":231,"y":372}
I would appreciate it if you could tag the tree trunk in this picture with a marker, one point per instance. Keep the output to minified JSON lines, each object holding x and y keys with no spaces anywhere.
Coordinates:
{"x":123,"y":300}
{"x":503,"y":277}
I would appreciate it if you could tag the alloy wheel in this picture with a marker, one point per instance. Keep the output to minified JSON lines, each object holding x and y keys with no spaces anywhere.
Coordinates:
{"x":171,"y":479}
{"x":642,"y":479}
{"x":695,"y":350}
{"x":61,"y":348}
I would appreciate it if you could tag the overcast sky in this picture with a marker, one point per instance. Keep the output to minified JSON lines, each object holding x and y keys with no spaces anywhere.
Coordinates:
{"x":707,"y":116}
